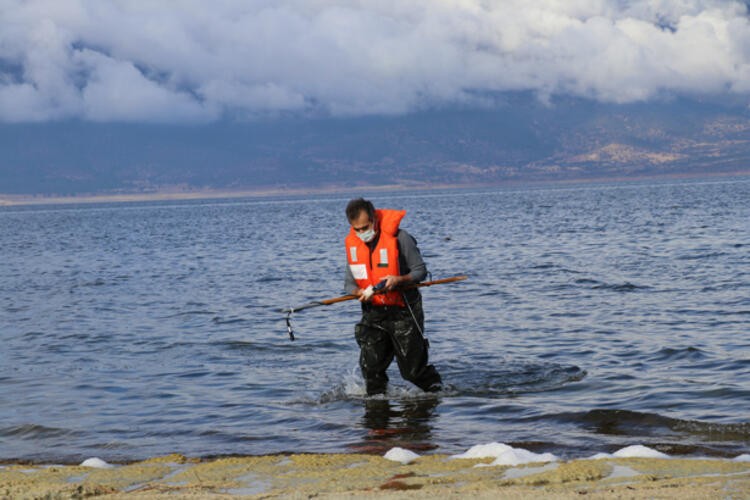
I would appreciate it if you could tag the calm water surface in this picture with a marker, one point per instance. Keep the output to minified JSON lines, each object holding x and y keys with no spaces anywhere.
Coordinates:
{"x":595,"y":317}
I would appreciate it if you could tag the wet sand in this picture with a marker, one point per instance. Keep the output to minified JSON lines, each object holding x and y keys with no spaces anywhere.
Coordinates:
{"x":363,"y":476}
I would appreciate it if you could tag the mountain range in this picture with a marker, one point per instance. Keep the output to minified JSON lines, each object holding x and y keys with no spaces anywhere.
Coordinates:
{"x":517,"y":139}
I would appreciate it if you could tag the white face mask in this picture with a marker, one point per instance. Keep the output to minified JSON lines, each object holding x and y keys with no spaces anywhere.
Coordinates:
{"x":367,"y":236}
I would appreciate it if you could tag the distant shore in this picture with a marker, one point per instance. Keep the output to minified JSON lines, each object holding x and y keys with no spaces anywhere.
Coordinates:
{"x":357,"y":476}
{"x":209,"y":194}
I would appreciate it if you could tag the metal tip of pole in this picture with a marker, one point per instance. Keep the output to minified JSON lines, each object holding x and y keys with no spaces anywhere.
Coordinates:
{"x":289,"y":325}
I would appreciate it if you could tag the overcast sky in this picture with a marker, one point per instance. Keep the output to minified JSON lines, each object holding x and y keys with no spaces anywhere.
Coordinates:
{"x":197,"y":61}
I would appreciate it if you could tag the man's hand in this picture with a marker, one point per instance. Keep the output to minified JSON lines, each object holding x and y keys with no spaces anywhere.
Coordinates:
{"x":366,"y":294}
{"x":392,"y":281}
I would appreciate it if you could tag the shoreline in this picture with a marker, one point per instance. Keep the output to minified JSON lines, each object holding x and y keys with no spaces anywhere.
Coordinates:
{"x":11,"y":200}
{"x":335,"y":476}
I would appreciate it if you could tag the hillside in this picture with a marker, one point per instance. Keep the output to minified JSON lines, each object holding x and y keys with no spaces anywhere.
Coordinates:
{"x":519,"y":140}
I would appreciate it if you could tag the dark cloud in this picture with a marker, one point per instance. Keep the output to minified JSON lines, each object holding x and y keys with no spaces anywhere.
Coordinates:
{"x":192,"y":61}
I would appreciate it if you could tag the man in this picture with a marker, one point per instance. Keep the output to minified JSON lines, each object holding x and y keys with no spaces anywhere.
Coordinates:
{"x":392,"y":323}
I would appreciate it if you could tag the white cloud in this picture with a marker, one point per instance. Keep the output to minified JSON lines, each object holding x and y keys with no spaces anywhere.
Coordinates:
{"x":130,"y":60}
{"x":118,"y":91}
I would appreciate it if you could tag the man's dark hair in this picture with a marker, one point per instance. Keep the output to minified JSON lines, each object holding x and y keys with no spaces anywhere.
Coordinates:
{"x":356,"y":205}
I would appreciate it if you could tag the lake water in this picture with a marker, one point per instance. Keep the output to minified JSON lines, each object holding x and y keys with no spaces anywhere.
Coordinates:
{"x":594,"y":317}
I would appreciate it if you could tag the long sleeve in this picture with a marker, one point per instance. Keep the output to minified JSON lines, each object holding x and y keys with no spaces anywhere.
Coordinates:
{"x":410,"y":258}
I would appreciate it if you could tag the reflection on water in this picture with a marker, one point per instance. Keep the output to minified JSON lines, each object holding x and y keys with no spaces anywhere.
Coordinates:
{"x":406,"y":424}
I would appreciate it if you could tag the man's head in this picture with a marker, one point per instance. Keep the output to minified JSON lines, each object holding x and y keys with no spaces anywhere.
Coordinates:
{"x":361,"y":216}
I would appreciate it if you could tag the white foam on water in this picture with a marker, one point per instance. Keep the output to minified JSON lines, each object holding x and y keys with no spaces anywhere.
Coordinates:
{"x":634,"y":451}
{"x":407,"y":393}
{"x":505,"y":455}
{"x":354,"y":384}
{"x":349,"y":386}
{"x":96,"y":463}
{"x":742,"y":458}
{"x":483,"y":451}
{"x":400,"y":455}
{"x":639,"y":451}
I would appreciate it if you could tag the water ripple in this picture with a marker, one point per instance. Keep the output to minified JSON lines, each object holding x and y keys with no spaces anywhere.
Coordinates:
{"x":595,"y":316}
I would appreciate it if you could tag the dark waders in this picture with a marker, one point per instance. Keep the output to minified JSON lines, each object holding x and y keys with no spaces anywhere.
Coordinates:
{"x":388,"y":331}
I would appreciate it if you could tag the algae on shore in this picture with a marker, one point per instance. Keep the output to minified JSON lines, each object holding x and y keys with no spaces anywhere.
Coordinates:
{"x":347,"y":475}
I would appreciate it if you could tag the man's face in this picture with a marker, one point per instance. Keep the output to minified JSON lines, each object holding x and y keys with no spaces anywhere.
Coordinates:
{"x":362,"y":223}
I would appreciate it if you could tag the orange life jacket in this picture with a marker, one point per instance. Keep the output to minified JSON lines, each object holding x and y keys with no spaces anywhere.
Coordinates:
{"x":370,"y":268}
